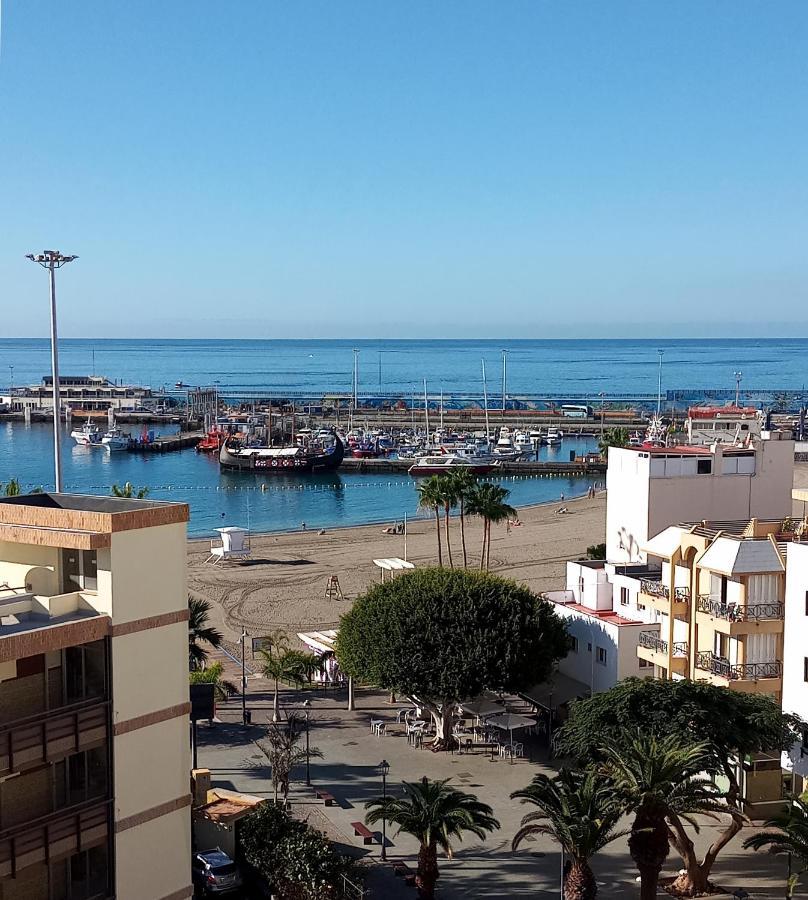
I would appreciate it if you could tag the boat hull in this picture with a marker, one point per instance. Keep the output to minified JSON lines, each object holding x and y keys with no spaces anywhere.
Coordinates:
{"x":284,"y":465}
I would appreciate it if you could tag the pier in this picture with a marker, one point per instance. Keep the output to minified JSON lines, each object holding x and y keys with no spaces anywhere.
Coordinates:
{"x":517,"y":467}
{"x":169,"y":443}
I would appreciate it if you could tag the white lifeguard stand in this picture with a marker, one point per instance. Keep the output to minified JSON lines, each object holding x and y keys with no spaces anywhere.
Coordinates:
{"x":233,"y":544}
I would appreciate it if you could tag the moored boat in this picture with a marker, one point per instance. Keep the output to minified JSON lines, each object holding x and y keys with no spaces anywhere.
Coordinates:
{"x":89,"y":435}
{"x":316,"y":456}
{"x":116,"y":440}
{"x":437,"y":465}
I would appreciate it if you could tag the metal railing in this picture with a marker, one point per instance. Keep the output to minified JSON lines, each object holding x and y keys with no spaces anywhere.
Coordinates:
{"x":709,"y":662}
{"x":654,"y":588}
{"x":650,"y":641}
{"x":734,"y":612}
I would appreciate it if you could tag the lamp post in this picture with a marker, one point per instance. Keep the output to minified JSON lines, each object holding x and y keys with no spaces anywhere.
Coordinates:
{"x":307,"y":706}
{"x":355,"y":377}
{"x":384,"y":766}
{"x":53,"y":260}
{"x":504,"y":378}
{"x":243,"y":676}
{"x":738,"y":377}
{"x":659,"y":385}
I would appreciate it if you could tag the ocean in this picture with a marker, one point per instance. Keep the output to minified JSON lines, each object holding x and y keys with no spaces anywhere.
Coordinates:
{"x":220,"y":498}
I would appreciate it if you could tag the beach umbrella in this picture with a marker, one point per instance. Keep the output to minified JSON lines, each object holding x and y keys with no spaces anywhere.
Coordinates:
{"x":510,"y":722}
{"x":482,"y":707}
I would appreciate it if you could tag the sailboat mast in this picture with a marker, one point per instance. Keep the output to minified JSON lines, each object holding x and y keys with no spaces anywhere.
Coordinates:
{"x":426,"y":413}
{"x":441,"y":409}
{"x":485,"y":401}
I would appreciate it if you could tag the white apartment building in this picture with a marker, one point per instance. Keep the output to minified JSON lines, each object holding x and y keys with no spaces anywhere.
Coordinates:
{"x":650,"y":489}
{"x":795,"y":659}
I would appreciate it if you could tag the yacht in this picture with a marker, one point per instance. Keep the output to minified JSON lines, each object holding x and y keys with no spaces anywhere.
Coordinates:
{"x":554,"y":436}
{"x":89,"y":435}
{"x":437,"y":465}
{"x":504,"y":448}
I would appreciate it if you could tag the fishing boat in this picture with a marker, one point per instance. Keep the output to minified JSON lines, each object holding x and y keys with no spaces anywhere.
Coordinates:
{"x":116,"y":440}
{"x":315,"y":456}
{"x":438,"y":465}
{"x":89,"y":435}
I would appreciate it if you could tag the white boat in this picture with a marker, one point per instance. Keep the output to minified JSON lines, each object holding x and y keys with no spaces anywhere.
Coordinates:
{"x":554,"y":436}
{"x":437,"y":465}
{"x":89,"y":435}
{"x":116,"y":440}
{"x":504,"y":448}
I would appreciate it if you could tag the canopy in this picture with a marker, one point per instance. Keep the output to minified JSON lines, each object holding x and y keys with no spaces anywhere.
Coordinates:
{"x":393,"y":564}
{"x":510,"y":721}
{"x":560,"y":689}
{"x":482,"y":706}
{"x":319,"y":641}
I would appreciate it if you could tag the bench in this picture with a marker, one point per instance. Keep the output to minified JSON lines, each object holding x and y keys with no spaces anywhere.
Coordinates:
{"x":401,"y":868}
{"x":360,"y":830}
{"x":328,"y":799}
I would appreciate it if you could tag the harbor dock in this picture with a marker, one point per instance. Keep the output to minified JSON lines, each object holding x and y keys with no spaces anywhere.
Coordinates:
{"x":169,"y":443}
{"x":517,"y":467}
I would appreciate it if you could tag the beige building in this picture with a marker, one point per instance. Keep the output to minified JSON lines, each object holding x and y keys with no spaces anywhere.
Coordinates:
{"x":94,"y":750}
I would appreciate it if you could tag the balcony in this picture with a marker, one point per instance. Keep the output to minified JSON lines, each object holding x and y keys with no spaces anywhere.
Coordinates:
{"x":744,"y":676}
{"x":54,"y":836}
{"x":652,"y":648}
{"x":657,"y":595}
{"x":47,"y":737}
{"x":740,"y":618}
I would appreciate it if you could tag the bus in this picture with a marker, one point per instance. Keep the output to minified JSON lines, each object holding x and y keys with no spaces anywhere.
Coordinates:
{"x":570,"y":411}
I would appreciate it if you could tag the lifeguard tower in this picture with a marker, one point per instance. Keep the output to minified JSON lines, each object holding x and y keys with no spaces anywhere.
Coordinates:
{"x":233,"y":544}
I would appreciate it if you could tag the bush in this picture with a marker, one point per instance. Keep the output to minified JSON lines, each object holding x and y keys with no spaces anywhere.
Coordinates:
{"x":297,"y":861}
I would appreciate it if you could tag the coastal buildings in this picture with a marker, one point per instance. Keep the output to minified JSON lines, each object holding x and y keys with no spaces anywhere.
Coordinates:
{"x":81,"y":394}
{"x":707,"y":424}
{"x":94,"y":757}
{"x":795,"y":660}
{"x":650,"y":489}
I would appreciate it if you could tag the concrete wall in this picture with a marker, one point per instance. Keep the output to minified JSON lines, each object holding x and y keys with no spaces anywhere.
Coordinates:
{"x":153,"y":860}
{"x":795,"y":649}
{"x":17,"y":561}
{"x":589,"y":585}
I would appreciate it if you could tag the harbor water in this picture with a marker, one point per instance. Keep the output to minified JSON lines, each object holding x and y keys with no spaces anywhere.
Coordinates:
{"x":260,"y":502}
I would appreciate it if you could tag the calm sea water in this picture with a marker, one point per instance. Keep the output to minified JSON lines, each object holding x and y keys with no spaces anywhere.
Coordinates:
{"x":235,"y":498}
{"x":217,"y":498}
{"x":574,"y":366}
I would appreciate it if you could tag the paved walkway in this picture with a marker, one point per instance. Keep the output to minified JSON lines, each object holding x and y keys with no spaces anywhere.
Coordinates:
{"x":349,"y":770}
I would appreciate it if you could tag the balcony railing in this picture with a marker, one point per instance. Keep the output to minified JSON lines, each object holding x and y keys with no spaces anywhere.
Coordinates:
{"x":650,"y":641}
{"x":68,"y":831}
{"x":709,"y":662}
{"x":52,"y":735}
{"x":654,"y":588}
{"x":735,"y":612}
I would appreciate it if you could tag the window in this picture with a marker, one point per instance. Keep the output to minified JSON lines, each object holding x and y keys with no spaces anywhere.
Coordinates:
{"x":640,"y":605}
{"x":805,"y":669}
{"x":602,"y":656}
{"x":589,"y":647}
{"x":574,"y":644}
{"x":806,"y":603}
{"x":581,"y":586}
{"x":704,"y":466}
{"x":645,"y":664}
{"x":79,"y":570}
{"x":624,"y":596}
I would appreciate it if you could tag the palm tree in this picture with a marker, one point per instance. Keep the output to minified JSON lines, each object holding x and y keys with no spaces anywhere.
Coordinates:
{"x":659,"y":778}
{"x":787,"y":835}
{"x":430,"y":496}
{"x":463,"y":484}
{"x":449,"y":500}
{"x":281,"y":749}
{"x":129,"y":491}
{"x":434,"y":813}
{"x":581,"y":812}
{"x":612,"y":437}
{"x":213,"y":675}
{"x":200,"y":631}
{"x":280,"y":663}
{"x":12,"y":489}
{"x":488,"y":502}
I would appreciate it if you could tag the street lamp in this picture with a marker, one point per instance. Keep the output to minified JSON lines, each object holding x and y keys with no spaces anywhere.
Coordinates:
{"x":384,"y":767}
{"x":53,"y":260}
{"x":307,"y":706}
{"x":659,"y":385}
{"x":738,"y":377}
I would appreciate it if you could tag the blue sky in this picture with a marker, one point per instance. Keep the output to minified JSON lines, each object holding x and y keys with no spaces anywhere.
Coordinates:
{"x":317,"y":169}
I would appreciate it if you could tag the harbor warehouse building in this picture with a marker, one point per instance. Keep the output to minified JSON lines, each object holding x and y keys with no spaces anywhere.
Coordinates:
{"x":94,"y":757}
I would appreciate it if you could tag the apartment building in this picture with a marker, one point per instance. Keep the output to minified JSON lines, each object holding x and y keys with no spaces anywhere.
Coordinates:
{"x":652,"y":488}
{"x":795,"y":659}
{"x":94,"y":755}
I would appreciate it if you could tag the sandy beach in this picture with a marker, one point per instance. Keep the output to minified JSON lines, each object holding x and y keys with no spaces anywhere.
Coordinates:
{"x":283,"y":585}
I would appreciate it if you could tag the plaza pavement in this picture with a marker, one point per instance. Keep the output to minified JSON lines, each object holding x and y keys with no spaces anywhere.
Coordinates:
{"x":349,"y":771}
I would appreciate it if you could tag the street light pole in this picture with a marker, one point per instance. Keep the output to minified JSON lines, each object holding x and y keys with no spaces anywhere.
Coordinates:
{"x":504,"y":378}
{"x":53,"y":260}
{"x":659,"y":386}
{"x":307,"y":706}
{"x":243,"y":676}
{"x":385,"y":767}
{"x":738,"y":377}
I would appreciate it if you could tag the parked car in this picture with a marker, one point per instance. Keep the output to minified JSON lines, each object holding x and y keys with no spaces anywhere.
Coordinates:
{"x":213,"y":872}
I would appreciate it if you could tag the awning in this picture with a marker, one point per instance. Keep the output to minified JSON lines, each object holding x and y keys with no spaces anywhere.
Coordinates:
{"x":666,"y":543}
{"x":393,"y":564}
{"x":482,"y":707}
{"x":319,"y":641}
{"x":510,"y":721}
{"x":558,"y":690}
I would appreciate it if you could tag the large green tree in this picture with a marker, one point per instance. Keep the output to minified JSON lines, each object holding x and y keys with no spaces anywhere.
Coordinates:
{"x":581,"y":811}
{"x":443,"y":636}
{"x":435,"y":813}
{"x":612,"y":437}
{"x":200,"y":632}
{"x":489,"y":502}
{"x":734,"y":725}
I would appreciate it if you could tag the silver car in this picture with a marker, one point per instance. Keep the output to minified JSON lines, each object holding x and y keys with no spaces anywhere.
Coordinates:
{"x":215,"y":873}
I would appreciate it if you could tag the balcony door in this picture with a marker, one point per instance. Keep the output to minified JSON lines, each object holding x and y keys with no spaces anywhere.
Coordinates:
{"x":79,"y":570}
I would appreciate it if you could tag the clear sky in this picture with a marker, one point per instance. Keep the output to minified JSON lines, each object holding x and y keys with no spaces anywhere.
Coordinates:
{"x":406,"y":169}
